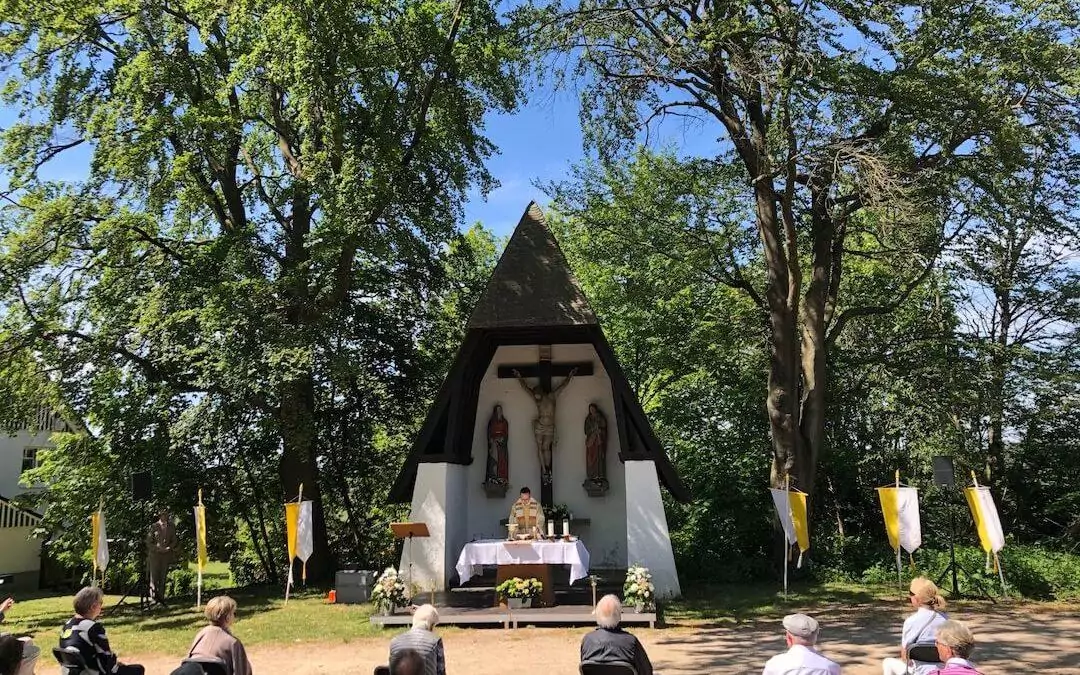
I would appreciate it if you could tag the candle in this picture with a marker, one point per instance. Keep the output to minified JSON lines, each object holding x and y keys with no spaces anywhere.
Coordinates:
{"x":566,"y":528}
{"x":551,"y":529}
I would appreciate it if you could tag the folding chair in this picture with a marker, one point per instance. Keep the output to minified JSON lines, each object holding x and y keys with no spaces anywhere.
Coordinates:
{"x":209,"y":665}
{"x":70,"y":660}
{"x":925,"y":652}
{"x":382,"y":670}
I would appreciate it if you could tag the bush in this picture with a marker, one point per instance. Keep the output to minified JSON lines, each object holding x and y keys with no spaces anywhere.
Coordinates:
{"x":182,"y":581}
{"x":246,"y":568}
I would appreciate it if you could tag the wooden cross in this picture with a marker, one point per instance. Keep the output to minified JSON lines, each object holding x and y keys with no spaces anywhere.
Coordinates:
{"x":544,"y":369}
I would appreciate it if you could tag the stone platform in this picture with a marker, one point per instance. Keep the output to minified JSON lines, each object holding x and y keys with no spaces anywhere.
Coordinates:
{"x":566,"y":615}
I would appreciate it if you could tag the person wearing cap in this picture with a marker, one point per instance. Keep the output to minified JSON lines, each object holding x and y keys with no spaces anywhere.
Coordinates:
{"x":527,"y":513}
{"x":954,"y":644}
{"x":801,"y":658}
{"x":919,"y":628}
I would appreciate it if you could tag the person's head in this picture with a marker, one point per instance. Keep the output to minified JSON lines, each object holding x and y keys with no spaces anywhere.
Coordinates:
{"x":800,"y":629}
{"x":526,"y":493}
{"x":925,"y":593}
{"x":221,"y":611}
{"x":608,"y":611}
{"x":163,"y":515}
{"x":426,"y":617}
{"x":408,"y":662}
{"x":953,"y":639}
{"x":11,"y":652}
{"x":593,"y":409}
{"x":88,"y":602}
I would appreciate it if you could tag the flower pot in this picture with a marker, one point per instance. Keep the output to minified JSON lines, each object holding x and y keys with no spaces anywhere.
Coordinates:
{"x":639,"y":608}
{"x":386,"y":611}
{"x":518,"y":603}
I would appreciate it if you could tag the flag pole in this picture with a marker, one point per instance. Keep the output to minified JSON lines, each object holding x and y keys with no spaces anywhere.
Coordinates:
{"x":198,"y":559}
{"x":899,"y":545}
{"x":787,"y":544}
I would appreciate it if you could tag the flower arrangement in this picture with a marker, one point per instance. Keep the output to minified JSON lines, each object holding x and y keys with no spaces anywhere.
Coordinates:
{"x":389,"y":591}
{"x":520,"y":588}
{"x":638,"y":589}
{"x":557,"y":513}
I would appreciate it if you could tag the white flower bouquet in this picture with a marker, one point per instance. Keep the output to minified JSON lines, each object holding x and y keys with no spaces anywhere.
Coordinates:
{"x":389,"y":591}
{"x":638,"y":589}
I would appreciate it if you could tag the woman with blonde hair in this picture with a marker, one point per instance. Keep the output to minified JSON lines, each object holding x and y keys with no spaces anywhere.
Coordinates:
{"x":919,"y":629}
{"x":216,"y":641}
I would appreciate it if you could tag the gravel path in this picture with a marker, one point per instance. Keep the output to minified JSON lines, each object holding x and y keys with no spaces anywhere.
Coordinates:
{"x":1046,"y":642}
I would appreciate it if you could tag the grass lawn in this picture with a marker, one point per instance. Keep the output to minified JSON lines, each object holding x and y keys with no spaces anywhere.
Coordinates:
{"x":263,"y":618}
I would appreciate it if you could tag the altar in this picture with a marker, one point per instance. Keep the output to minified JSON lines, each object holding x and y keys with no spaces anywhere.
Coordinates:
{"x":525,"y":559}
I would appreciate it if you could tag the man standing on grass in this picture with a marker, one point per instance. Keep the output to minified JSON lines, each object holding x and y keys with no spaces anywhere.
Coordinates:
{"x":801,"y":635}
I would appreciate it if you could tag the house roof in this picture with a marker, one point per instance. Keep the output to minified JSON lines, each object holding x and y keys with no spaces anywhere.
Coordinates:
{"x":532,"y":284}
{"x":531,"y":298}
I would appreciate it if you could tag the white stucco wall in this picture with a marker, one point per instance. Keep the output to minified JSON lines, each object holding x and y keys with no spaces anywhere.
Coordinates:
{"x":605,"y":537}
{"x":18,"y":551}
{"x":648,"y":540}
{"x":11,"y":451}
{"x":439,"y":501}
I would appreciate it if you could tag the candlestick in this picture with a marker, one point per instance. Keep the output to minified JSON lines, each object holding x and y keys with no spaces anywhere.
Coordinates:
{"x":551,"y":528}
{"x":565,"y":528}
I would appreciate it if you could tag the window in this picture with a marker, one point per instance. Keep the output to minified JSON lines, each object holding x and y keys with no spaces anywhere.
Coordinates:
{"x":29,"y":459}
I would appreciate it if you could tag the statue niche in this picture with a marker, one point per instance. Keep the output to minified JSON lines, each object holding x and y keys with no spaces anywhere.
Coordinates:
{"x":497,"y":477}
{"x":596,"y":436}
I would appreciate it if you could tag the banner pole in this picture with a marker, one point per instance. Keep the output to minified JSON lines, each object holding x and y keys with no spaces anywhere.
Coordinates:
{"x":899,"y":535}
{"x":787,"y":544}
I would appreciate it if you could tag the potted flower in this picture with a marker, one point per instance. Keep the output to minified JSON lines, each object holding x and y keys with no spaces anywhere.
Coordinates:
{"x":638,"y":589}
{"x":389,"y":592}
{"x":520,"y":592}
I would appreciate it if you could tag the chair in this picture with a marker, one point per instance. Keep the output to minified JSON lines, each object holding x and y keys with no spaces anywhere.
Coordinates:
{"x":209,"y":664}
{"x":613,"y":668}
{"x":70,"y":660}
{"x":382,"y":670}
{"x":924,"y":651}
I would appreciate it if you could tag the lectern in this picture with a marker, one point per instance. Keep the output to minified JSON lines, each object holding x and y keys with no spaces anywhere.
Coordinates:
{"x":407,"y":531}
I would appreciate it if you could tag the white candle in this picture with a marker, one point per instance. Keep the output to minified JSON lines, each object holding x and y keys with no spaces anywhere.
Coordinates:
{"x":551,"y":529}
{"x":565,"y":528}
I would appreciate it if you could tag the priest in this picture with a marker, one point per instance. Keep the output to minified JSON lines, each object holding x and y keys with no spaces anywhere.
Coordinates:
{"x":527,"y":513}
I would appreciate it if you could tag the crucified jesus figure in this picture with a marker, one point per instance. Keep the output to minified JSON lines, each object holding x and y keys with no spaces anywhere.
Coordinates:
{"x":544,"y":424}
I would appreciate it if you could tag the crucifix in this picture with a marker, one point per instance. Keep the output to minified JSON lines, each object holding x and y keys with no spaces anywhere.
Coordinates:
{"x":544,"y":396}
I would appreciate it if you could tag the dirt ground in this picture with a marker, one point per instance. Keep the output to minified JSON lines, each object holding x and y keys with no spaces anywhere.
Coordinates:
{"x":1008,"y":639}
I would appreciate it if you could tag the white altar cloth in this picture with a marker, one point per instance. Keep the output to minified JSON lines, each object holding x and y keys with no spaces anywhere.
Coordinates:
{"x":499,"y":552}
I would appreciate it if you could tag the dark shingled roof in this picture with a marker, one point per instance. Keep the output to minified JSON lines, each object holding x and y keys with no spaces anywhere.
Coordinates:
{"x":532,"y":285}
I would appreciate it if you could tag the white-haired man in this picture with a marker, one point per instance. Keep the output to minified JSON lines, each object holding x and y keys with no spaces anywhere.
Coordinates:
{"x":611,"y":644}
{"x":421,"y":640}
{"x":801,"y":658}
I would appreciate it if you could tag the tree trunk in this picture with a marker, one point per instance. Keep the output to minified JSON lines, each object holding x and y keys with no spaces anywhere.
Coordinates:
{"x":782,"y":402}
{"x":999,"y":366}
{"x":299,"y":466}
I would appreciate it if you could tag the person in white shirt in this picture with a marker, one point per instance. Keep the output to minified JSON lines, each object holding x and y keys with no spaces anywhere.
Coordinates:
{"x":919,"y":628}
{"x":801,"y":658}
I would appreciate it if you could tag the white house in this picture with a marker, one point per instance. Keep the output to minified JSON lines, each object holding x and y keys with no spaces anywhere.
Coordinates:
{"x":20,"y":552}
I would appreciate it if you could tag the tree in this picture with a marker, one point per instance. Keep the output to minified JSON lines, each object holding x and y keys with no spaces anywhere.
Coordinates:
{"x":847,"y":120}
{"x":269,"y":184}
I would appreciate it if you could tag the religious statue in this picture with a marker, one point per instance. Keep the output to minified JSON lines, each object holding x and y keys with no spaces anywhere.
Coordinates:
{"x":498,"y":462}
{"x":596,"y":434}
{"x":161,"y":543}
{"x":544,"y":424}
{"x":526,"y":515}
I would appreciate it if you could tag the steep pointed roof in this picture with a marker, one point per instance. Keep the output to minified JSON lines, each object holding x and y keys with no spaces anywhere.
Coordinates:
{"x":532,"y":285}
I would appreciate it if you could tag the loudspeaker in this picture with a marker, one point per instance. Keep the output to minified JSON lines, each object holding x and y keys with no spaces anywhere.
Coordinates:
{"x":141,"y":486}
{"x":943,"y":471}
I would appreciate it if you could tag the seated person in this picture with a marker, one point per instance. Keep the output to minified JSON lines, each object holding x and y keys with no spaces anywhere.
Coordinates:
{"x":527,"y":514}
{"x":609,"y":643}
{"x":216,"y":641}
{"x":422,"y":640}
{"x":801,"y":635}
{"x":409,"y":662}
{"x":919,"y":628}
{"x":30,"y":651}
{"x":11,"y":654}
{"x":954,"y":645}
{"x":84,"y":633}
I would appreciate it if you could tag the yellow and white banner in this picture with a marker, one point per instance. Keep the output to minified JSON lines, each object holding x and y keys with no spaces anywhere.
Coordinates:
{"x":791,"y":509}
{"x":900,"y":507}
{"x":299,"y":534}
{"x":984,"y":511}
{"x":100,"y":541}
{"x":200,"y":547}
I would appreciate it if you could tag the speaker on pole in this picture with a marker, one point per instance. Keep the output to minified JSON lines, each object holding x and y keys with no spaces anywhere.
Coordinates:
{"x":943,"y":471}
{"x":141,"y":486}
